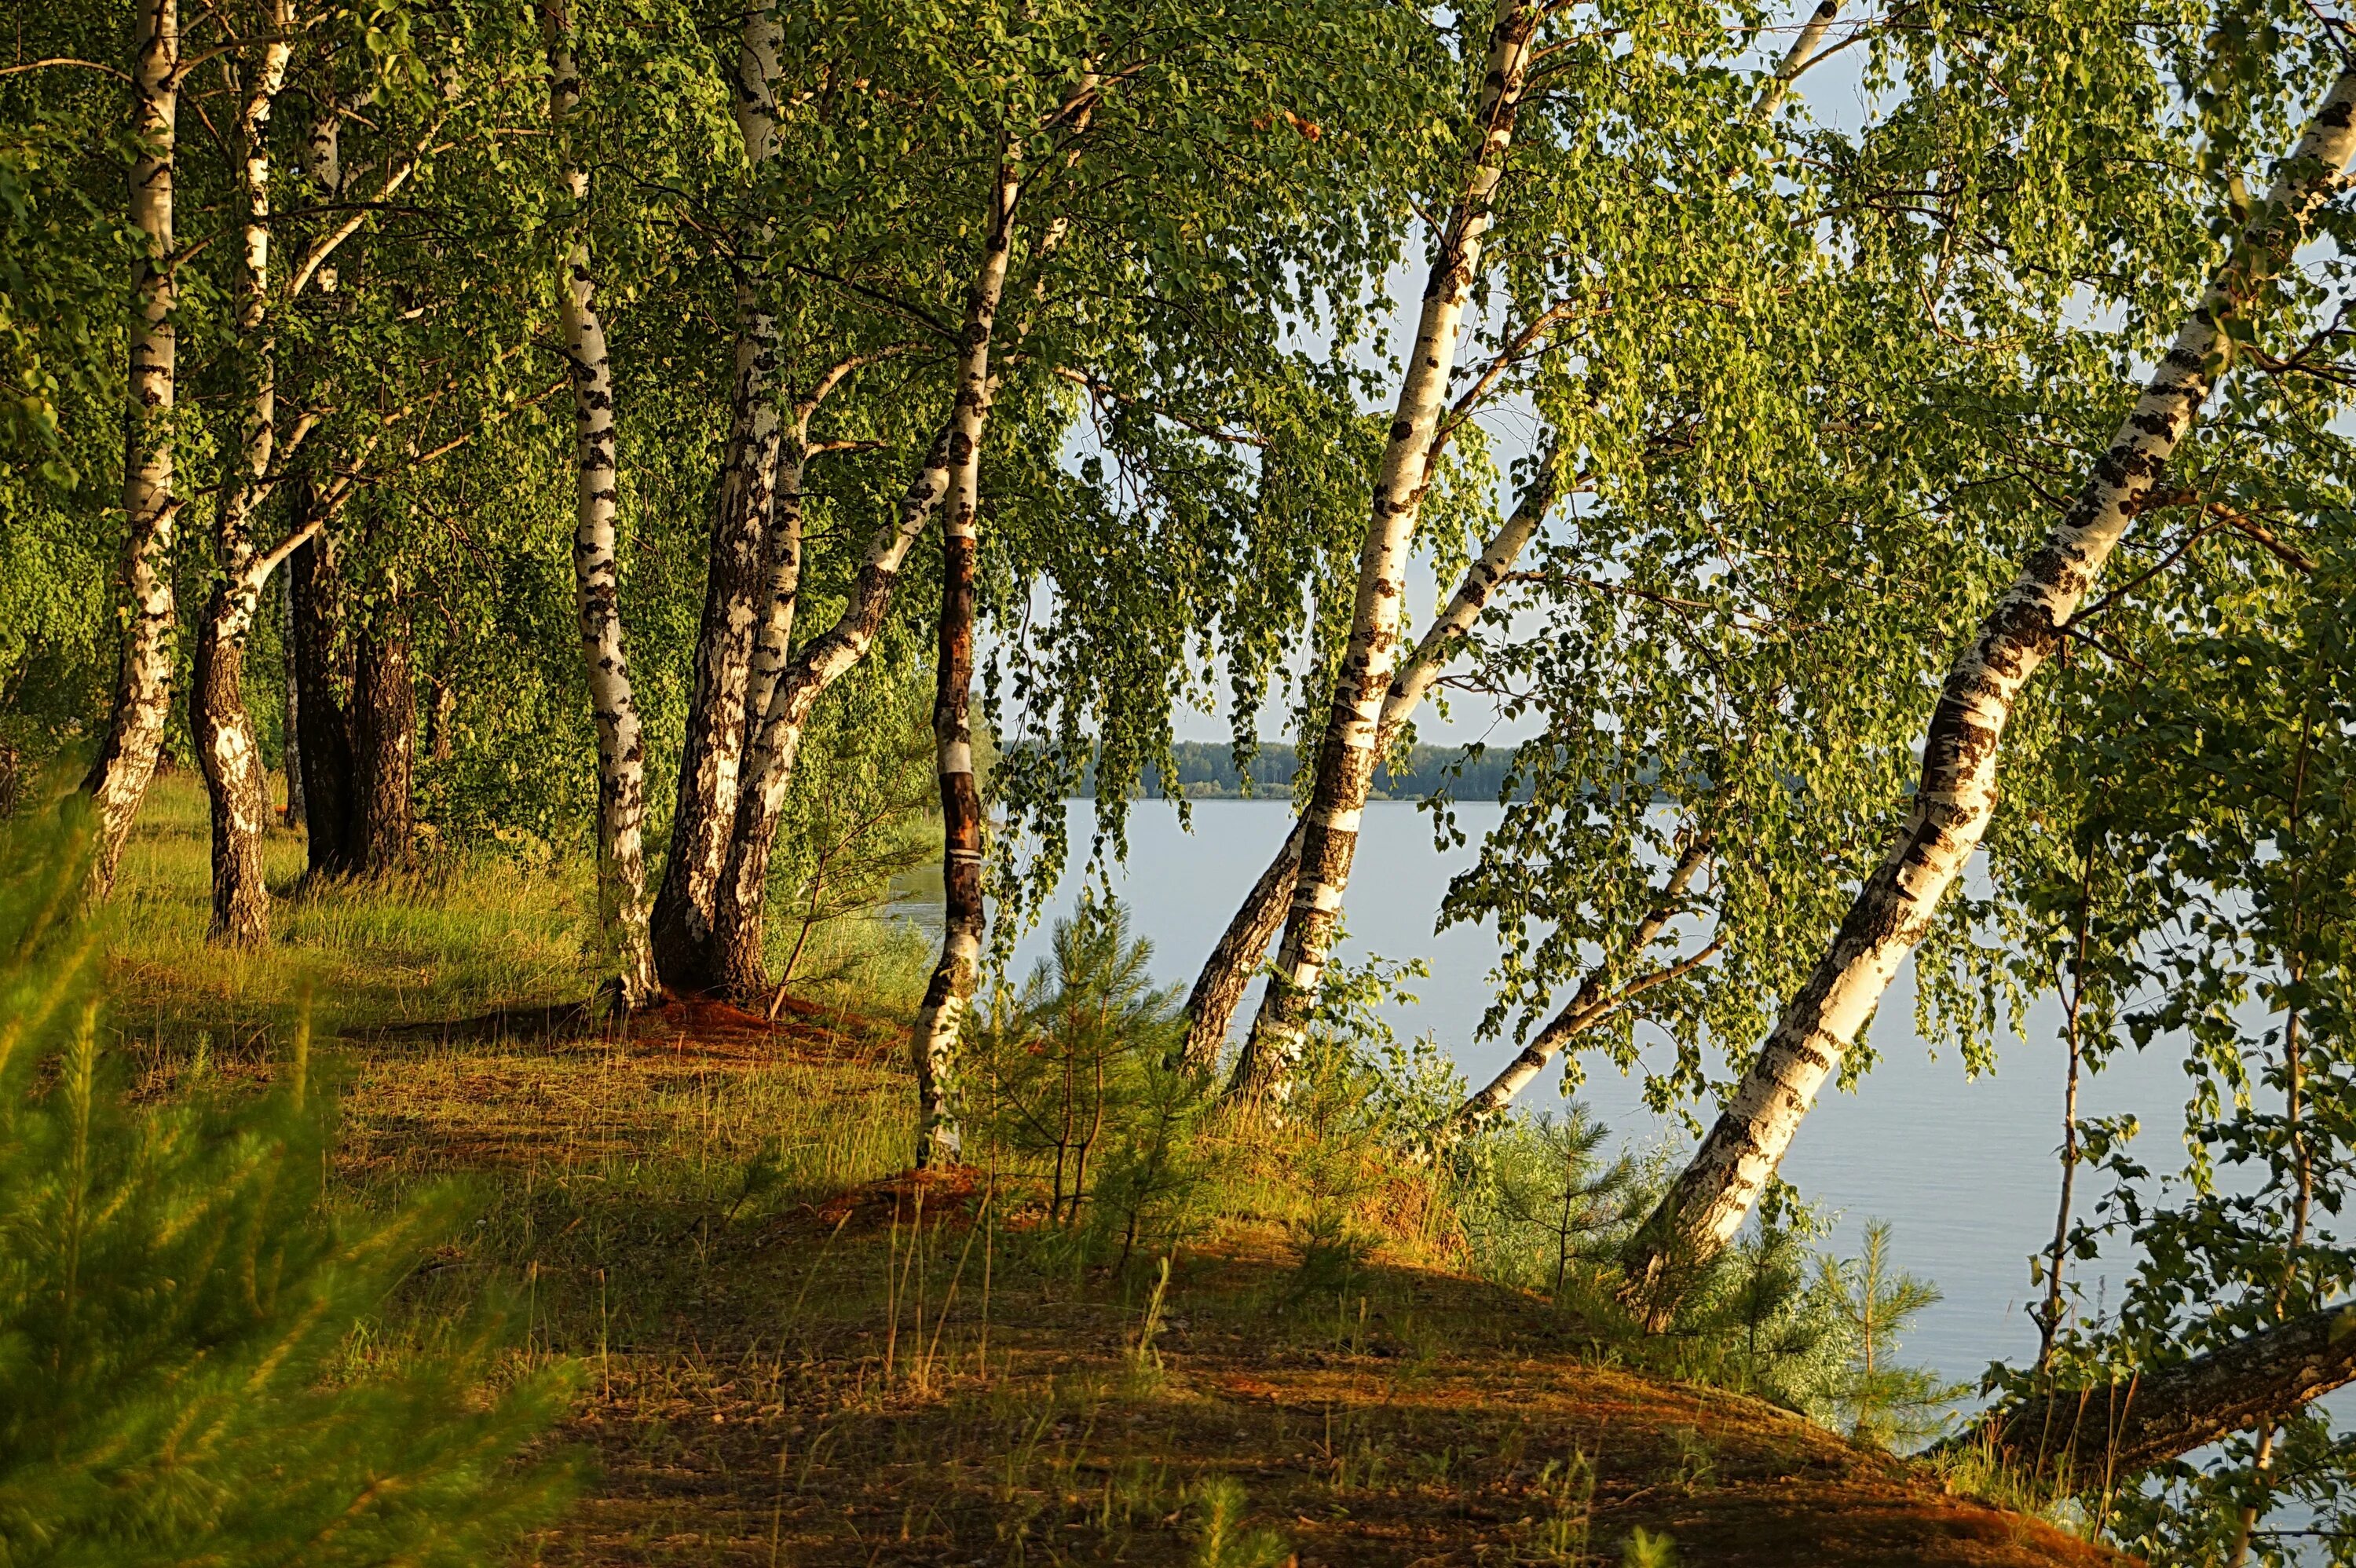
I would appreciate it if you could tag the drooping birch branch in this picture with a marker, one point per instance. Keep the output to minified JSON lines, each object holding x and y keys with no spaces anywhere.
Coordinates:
{"x":1348,"y":747}
{"x":1598,"y":994}
{"x":1228,"y":973}
{"x":1956,"y":793}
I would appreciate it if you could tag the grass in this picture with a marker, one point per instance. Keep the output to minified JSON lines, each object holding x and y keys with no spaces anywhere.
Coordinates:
{"x":798,"y":1352}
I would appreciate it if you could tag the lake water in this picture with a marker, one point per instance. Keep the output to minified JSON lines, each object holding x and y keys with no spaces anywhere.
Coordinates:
{"x":1962,"y":1168}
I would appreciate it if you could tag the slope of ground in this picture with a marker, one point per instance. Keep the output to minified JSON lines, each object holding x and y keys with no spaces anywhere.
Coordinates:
{"x":792,"y":1352}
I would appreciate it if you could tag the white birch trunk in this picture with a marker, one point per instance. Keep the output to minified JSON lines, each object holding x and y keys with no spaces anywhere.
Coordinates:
{"x":228,"y":749}
{"x":935,"y":1037}
{"x":1347,"y":752}
{"x":1796,"y":59}
{"x":119,"y":776}
{"x":742,"y":901}
{"x":629,"y":974}
{"x":1956,"y":795}
{"x":1219,"y":988}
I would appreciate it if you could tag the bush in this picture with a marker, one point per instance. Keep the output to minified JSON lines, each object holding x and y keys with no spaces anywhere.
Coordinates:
{"x":179,"y":1307}
{"x":1077,"y":1079}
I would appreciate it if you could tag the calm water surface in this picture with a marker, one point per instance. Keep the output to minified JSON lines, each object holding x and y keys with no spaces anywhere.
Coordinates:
{"x":1964,"y":1167}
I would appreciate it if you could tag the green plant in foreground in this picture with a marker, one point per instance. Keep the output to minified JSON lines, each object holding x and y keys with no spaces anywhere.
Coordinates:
{"x":1221,"y":1539}
{"x":1642,"y":1549}
{"x":1880,"y":1401}
{"x":178,"y":1310}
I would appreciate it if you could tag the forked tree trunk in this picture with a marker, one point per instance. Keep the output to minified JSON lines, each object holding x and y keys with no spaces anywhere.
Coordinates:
{"x":629,"y":974}
{"x":119,"y":775}
{"x":1347,"y":752}
{"x":1956,"y":795}
{"x":323,"y":670}
{"x":934,"y":1040}
{"x":2088,"y":1439}
{"x":741,"y":908}
{"x":1228,"y":974}
{"x":384,"y":740}
{"x":714,"y":752}
{"x":228,"y":749}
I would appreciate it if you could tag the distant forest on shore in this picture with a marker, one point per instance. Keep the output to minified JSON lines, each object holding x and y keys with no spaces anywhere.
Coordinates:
{"x":1208,"y":771}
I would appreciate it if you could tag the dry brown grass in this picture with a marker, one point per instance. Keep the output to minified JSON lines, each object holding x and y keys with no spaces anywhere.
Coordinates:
{"x":799,"y":1354}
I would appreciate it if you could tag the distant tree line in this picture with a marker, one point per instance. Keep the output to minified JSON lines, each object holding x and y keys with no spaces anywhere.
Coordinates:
{"x":1208,"y":770}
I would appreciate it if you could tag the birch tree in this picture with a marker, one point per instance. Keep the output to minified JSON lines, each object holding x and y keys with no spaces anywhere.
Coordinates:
{"x":226,"y":745}
{"x":1346,"y":753}
{"x":959,"y":970}
{"x":1955,"y":795}
{"x":119,"y":776}
{"x":713,"y":756}
{"x":596,"y":570}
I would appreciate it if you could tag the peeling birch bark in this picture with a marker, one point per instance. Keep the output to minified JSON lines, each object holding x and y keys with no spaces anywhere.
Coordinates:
{"x":228,"y":751}
{"x":2088,"y":1437}
{"x":1347,"y":752}
{"x":1956,"y":795}
{"x":628,"y":957}
{"x":935,"y":1038}
{"x":713,"y":753}
{"x":118,"y":777}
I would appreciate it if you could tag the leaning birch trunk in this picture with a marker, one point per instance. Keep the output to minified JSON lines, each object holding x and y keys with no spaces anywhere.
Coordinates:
{"x":934,"y":1040}
{"x":714,"y":748}
{"x":785,"y":696}
{"x":1956,"y":795}
{"x":119,"y":776}
{"x":2088,"y":1437}
{"x":740,"y":909}
{"x":1802,"y":55}
{"x":228,"y":751}
{"x":1228,"y":973}
{"x":629,"y":972}
{"x":1346,"y":754}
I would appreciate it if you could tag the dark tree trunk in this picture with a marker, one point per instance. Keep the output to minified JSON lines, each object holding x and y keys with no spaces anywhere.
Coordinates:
{"x":384,"y":740}
{"x":294,"y":694}
{"x":2091,"y":1438}
{"x":441,"y":715}
{"x":230,"y":758}
{"x":323,"y":729}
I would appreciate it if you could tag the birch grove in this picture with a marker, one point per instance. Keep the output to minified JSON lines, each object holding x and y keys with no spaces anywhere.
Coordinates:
{"x":1736,"y":423}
